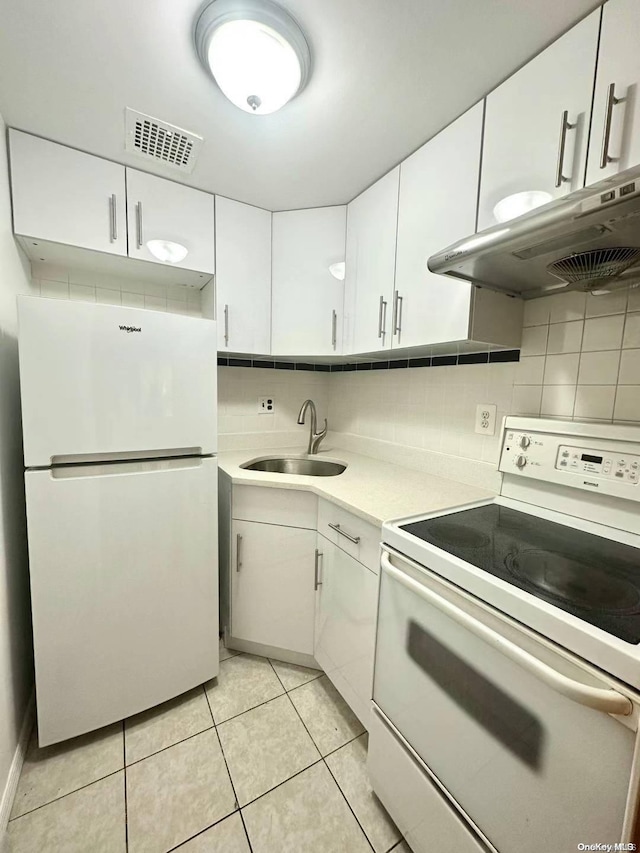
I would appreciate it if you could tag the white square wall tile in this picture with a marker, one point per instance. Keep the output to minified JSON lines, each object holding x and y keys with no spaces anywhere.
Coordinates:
{"x":536,"y":312}
{"x":634,"y":299}
{"x":608,"y":303}
{"x":566,"y":306}
{"x":526,"y":400}
{"x":631,"y":331}
{"x":558,"y":400}
{"x":133,"y":300}
{"x":603,"y":333}
{"x":595,"y":401}
{"x":534,"y":340}
{"x":529,"y":370}
{"x":82,"y":293}
{"x":565,"y":337}
{"x":629,"y":367}
{"x":106,"y":296}
{"x":599,"y":368}
{"x":561,"y":369}
{"x":627,"y":406}
{"x":54,"y":289}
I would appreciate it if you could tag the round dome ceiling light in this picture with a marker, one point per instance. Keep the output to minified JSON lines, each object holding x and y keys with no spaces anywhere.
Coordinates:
{"x":519,"y":204}
{"x":255,"y":51}
{"x":167,"y":251}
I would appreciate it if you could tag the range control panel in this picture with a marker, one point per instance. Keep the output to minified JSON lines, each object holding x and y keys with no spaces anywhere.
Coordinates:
{"x":604,"y":459}
{"x":616,"y":466}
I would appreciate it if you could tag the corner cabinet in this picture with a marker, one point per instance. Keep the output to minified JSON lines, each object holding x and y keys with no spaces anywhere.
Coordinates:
{"x":615,"y":132}
{"x":372,"y":220}
{"x":243,"y":277}
{"x":307,"y":301}
{"x":537,"y":122}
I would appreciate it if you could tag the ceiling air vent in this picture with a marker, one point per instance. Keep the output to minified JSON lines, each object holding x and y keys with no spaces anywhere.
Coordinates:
{"x":161,"y":142}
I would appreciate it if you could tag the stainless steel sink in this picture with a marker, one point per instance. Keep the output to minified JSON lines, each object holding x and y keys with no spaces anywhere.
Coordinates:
{"x":296,"y":465}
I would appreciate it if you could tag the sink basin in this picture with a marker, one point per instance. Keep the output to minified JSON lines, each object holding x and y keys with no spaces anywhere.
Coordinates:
{"x":296,"y":465}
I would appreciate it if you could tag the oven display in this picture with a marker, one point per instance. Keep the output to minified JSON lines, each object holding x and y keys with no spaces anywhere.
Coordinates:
{"x":597,"y":460}
{"x":616,"y":466}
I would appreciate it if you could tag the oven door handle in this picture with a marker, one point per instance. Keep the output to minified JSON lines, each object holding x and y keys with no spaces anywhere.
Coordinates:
{"x":602,"y":699}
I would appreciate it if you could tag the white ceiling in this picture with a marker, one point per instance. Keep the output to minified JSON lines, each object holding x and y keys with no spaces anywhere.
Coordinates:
{"x":386,"y":76}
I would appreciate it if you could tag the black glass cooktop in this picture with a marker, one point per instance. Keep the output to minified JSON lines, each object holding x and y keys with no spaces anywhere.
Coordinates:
{"x":594,"y":578}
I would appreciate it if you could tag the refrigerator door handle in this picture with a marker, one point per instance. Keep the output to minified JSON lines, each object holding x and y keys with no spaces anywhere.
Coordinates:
{"x":128,"y":456}
{"x":126,"y":467}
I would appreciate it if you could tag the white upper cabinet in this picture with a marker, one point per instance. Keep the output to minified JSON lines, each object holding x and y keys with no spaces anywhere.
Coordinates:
{"x":438,"y":200}
{"x":158,"y":209}
{"x":537,"y":122}
{"x":615,"y":130}
{"x":307,"y":301}
{"x":65,"y":196}
{"x":243,"y":277}
{"x":371,"y":251}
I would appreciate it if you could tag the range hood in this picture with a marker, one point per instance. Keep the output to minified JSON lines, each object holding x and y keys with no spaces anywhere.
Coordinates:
{"x":589,"y":240}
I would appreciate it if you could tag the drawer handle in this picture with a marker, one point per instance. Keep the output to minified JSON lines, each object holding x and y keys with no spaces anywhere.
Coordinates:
{"x":338,"y":529}
{"x":607,"y":700}
{"x":565,"y":125}
{"x":612,"y":101}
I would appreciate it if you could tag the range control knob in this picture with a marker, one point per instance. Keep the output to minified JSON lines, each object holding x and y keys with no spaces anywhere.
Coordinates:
{"x":525,"y":441}
{"x":520,"y":461}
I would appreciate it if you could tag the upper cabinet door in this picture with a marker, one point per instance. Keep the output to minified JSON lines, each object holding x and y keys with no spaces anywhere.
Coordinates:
{"x":158,"y":209}
{"x":243,"y":277}
{"x":307,"y":301}
{"x":537,"y":123}
{"x":615,"y":129}
{"x":372,"y":220}
{"x":65,"y":196}
{"x":438,"y":200}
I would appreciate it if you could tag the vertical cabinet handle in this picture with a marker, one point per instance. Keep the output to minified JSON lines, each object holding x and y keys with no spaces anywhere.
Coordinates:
{"x":397,"y":313}
{"x":382,"y":317}
{"x":565,"y":125}
{"x":226,"y":325}
{"x":238,"y":557}
{"x":334,"y":329}
{"x":605,"y":159}
{"x":139,"y":240}
{"x":316,"y":572}
{"x":113,"y":218}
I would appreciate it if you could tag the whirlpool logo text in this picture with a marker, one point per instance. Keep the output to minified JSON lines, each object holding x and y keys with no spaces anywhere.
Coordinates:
{"x":129,"y":329}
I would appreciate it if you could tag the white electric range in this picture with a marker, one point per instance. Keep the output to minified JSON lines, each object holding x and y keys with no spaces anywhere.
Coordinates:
{"x":507,"y":675}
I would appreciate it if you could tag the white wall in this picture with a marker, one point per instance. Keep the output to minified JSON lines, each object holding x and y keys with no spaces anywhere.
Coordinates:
{"x":15,"y":626}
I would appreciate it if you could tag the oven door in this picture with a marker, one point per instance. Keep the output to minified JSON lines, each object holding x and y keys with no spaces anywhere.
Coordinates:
{"x":536,"y":747}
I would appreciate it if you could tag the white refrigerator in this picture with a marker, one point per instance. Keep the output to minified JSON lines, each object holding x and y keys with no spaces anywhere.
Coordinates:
{"x":119,"y":422}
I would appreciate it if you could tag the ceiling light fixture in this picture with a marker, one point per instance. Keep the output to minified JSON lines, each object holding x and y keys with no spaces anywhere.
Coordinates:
{"x":337,"y":270}
{"x":255,"y":51}
{"x":167,"y":251}
{"x":520,"y":203}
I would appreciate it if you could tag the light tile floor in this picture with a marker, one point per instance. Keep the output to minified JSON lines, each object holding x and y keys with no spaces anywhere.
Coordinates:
{"x":267,"y":758}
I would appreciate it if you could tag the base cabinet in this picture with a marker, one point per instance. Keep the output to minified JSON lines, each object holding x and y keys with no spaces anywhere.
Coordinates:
{"x":346,"y":602}
{"x":272,"y":585}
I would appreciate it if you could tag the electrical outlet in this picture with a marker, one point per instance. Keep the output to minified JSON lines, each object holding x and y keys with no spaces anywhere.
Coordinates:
{"x":266,"y":405}
{"x":486,"y":418}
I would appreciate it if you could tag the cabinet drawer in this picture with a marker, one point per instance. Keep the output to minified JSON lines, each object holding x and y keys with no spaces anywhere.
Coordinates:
{"x":423,"y":814}
{"x":288,"y":507}
{"x":366,"y":550}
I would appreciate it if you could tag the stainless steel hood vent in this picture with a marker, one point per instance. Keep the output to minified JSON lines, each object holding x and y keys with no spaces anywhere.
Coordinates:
{"x":589,"y":240}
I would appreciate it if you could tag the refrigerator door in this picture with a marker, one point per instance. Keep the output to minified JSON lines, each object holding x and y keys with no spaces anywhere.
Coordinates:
{"x":124,"y":588}
{"x":100,"y":379}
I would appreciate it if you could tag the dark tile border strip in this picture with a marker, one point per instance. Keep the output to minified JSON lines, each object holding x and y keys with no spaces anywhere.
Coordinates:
{"x":497,"y":357}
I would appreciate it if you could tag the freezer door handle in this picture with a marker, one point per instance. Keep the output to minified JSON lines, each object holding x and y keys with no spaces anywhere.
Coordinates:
{"x":601,"y":699}
{"x":125,"y":467}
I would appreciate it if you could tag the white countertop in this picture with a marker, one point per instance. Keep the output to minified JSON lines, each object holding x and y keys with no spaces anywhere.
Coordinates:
{"x":374,"y":490}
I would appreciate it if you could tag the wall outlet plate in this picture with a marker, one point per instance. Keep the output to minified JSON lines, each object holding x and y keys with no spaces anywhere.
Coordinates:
{"x":486,"y":418}
{"x":266,"y":405}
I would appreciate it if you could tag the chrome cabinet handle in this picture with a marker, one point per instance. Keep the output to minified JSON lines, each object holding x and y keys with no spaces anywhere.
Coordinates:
{"x":397,"y":313}
{"x":602,"y":699}
{"x":338,"y":529}
{"x":113,"y":220}
{"x":565,"y":125}
{"x":382,"y":317}
{"x":605,"y":159}
{"x":139,"y":239}
{"x":334,"y":329}
{"x":238,"y":557}
{"x":316,"y":571}
{"x":226,"y":325}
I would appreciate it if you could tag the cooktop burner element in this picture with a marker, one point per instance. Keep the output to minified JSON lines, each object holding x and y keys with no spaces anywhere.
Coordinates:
{"x":593,"y":578}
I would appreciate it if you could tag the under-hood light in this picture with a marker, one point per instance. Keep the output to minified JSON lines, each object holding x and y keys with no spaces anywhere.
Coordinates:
{"x":167,"y":251}
{"x":520,"y":203}
{"x":337,"y":270}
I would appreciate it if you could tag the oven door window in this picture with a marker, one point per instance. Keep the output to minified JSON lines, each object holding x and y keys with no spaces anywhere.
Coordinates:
{"x":532,"y":769}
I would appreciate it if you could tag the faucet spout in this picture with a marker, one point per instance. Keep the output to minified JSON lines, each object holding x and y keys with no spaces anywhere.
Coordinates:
{"x":314,"y":437}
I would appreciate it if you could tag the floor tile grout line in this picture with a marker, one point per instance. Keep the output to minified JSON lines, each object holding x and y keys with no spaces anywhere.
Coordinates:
{"x":64,"y":796}
{"x":233,"y":788}
{"x":346,"y":799}
{"x":165,"y":748}
{"x":246,"y":711}
{"x":126,"y":817}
